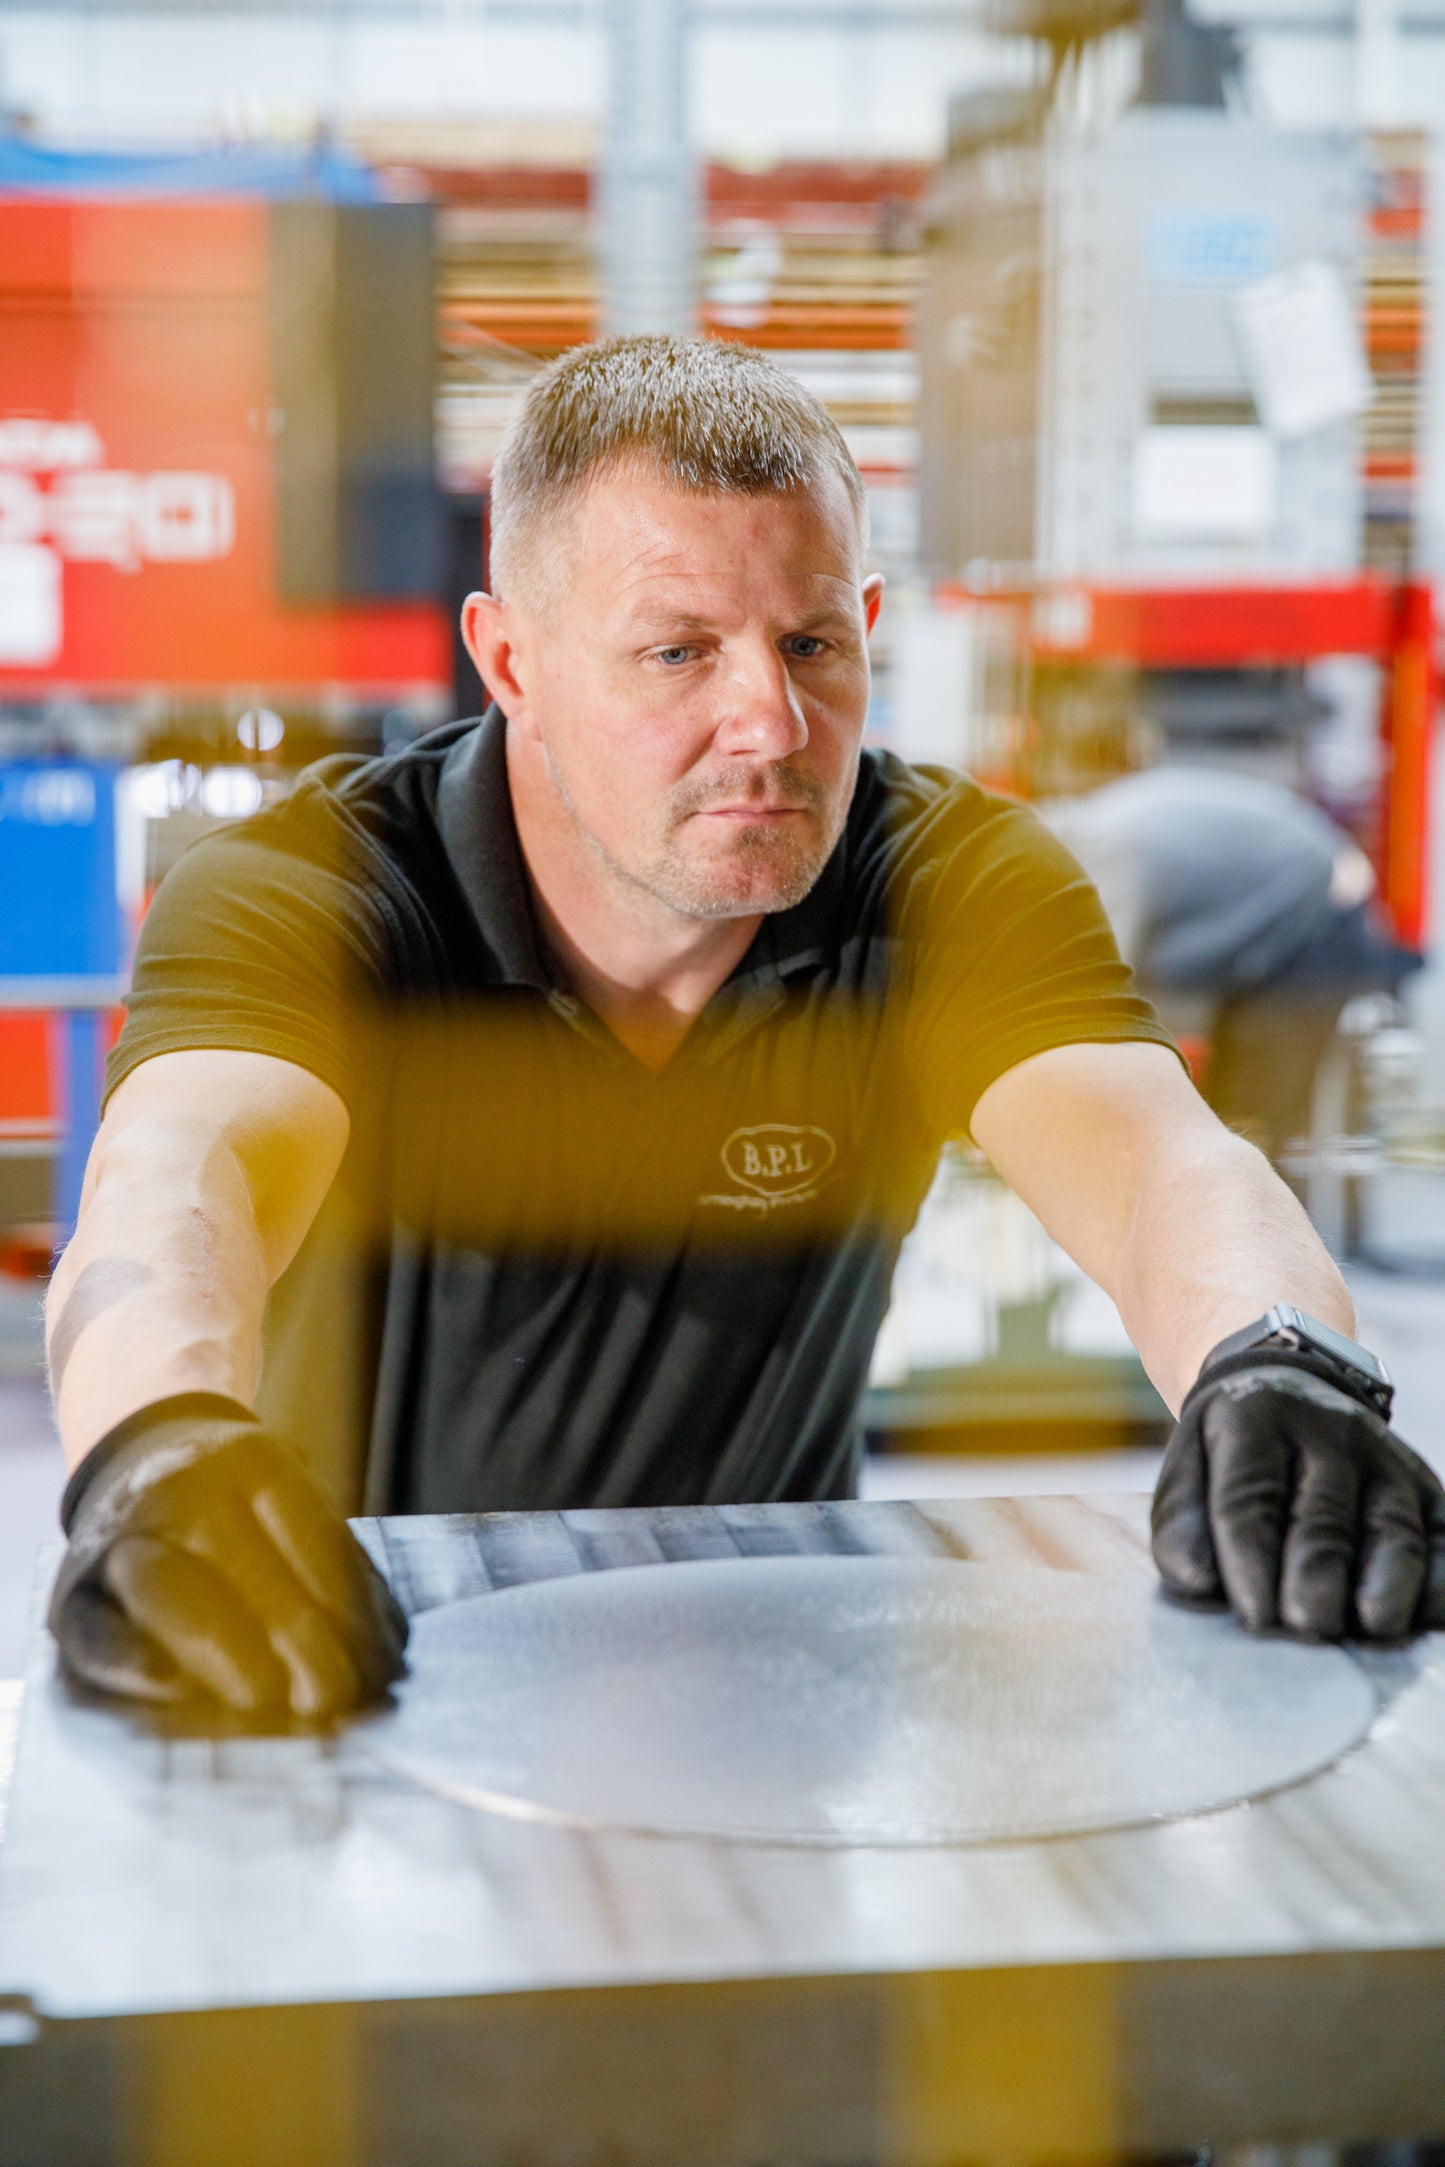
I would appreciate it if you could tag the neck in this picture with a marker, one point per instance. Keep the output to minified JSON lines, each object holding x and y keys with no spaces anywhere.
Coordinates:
{"x":645,"y":970}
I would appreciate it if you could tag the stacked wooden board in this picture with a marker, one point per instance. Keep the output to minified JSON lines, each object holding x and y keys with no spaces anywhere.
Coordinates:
{"x":818,"y":262}
{"x":1394,"y":301}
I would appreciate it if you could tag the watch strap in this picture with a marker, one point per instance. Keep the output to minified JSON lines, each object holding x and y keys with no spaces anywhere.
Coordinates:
{"x":1230,"y":1358}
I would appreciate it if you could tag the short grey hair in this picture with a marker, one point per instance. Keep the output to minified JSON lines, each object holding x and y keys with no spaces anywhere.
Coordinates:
{"x":711,"y":417}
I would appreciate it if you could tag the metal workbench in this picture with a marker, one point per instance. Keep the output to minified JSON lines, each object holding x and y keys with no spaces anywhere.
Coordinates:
{"x":407,"y":1982}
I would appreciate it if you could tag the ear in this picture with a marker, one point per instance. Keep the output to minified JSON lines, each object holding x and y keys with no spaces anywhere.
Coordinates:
{"x":872,"y":598}
{"x":490,"y":633}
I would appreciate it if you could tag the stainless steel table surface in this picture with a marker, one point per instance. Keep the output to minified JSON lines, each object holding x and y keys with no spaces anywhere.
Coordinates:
{"x":1268,"y":1970}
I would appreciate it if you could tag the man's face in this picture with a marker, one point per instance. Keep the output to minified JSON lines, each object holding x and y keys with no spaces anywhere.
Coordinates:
{"x":697,"y":683}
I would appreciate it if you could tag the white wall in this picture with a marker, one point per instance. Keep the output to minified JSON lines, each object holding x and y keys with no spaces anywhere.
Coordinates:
{"x":761,"y":87}
{"x":1311,"y":78}
{"x":873,"y":81}
{"x":862,"y":92}
{"x":154,"y":73}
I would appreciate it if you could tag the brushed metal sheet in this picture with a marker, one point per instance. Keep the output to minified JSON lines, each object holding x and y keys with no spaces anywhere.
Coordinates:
{"x":858,"y":1701}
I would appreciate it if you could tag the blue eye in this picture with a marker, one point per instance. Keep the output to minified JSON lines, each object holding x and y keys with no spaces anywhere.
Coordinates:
{"x":805,"y":646}
{"x":673,"y":654}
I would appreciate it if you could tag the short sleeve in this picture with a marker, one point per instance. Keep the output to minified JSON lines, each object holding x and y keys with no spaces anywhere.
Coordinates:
{"x":252,"y":944}
{"x":1012,"y":955}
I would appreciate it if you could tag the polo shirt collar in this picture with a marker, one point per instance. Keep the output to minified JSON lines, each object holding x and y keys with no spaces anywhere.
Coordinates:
{"x":479,"y":834}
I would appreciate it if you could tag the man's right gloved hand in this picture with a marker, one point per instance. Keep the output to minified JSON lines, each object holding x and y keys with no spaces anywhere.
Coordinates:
{"x":204,"y":1565}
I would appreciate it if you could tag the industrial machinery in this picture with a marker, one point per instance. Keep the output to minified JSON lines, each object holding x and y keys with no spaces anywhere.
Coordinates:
{"x":1126,"y":368}
{"x":1155,"y":471}
{"x":1167,"y":377}
{"x":241,"y":1950}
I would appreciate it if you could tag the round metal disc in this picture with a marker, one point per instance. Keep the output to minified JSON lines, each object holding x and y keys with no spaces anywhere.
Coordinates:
{"x":858,"y":1700}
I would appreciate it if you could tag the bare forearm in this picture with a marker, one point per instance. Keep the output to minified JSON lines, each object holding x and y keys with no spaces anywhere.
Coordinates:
{"x":1185,"y":1225}
{"x":163,"y":1288}
{"x":1213,"y":1240}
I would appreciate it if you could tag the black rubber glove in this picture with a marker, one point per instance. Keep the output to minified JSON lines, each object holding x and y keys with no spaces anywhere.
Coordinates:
{"x":1287,"y":1496}
{"x":204,"y":1565}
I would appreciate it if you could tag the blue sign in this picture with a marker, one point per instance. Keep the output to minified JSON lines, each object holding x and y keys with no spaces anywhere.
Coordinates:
{"x":1209,"y":248}
{"x":60,"y":916}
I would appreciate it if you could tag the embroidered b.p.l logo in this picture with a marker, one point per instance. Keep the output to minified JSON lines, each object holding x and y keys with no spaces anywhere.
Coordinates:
{"x":778,"y":1158}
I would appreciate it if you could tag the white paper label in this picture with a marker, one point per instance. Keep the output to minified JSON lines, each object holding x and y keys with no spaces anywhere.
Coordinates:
{"x":1301,"y":349}
{"x":1200,"y":483}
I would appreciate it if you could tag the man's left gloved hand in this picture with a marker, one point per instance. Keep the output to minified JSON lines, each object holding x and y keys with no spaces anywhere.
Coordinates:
{"x":1291,"y":1498}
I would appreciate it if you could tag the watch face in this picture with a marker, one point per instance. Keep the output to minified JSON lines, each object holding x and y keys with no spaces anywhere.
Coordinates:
{"x":1331,"y":1342}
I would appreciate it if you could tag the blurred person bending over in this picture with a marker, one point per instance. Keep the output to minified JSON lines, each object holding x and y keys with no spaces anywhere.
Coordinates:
{"x":531,"y":1118}
{"x":1230,"y":889}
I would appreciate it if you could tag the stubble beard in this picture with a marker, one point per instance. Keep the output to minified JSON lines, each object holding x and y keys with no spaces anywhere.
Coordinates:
{"x":766,"y":868}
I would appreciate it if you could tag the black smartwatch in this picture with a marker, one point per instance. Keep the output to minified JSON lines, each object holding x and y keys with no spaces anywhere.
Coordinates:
{"x":1285,"y":1326}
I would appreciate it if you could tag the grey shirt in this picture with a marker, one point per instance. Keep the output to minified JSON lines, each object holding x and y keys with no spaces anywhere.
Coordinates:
{"x":1211,"y":880}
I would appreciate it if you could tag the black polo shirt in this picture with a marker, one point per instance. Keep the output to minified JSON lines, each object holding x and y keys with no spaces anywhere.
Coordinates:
{"x":545,"y":1275}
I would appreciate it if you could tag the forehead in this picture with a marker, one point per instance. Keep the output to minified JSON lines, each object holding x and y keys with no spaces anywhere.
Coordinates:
{"x":636,"y":530}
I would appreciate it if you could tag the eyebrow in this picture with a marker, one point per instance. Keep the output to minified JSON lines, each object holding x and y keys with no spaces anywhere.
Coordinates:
{"x":664,"y":620}
{"x":648,"y":618}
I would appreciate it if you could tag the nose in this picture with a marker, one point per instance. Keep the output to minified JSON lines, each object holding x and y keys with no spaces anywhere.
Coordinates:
{"x":761,"y":714}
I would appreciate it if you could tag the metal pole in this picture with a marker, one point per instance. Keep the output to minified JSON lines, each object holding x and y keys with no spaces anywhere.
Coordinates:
{"x":648,"y":194}
{"x":82,"y":1042}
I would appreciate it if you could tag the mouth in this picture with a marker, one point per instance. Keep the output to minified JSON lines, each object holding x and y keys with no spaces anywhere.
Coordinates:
{"x":755,"y":812}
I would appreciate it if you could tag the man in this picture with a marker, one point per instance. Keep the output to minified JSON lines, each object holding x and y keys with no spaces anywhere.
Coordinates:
{"x":1234,"y":896}
{"x":618,"y":1035}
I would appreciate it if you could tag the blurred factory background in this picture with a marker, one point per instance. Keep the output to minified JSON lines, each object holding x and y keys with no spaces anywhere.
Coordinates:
{"x":1125,"y":310}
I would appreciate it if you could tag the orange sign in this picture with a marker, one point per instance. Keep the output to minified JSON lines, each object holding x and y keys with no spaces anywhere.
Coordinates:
{"x":136,"y":437}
